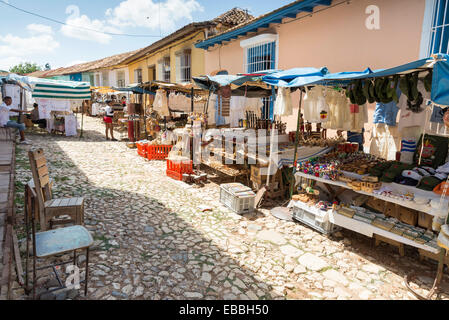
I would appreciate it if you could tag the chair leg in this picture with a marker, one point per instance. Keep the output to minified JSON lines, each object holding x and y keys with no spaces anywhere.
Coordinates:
{"x":27,"y":212}
{"x":87,"y":272}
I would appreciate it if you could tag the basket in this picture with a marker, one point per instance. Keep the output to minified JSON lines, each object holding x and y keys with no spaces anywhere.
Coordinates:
{"x":158,"y":152}
{"x":176,"y":168}
{"x":142,"y":148}
{"x":237,"y":197}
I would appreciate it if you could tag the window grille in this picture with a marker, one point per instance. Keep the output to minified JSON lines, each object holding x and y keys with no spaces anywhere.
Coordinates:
{"x":138,"y":75}
{"x":261,"y":57}
{"x":166,"y":69}
{"x":439,"y":37}
{"x":121,"y":79}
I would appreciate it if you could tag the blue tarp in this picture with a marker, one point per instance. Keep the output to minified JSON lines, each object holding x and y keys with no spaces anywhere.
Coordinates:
{"x":295,"y":77}
{"x":440,"y":81}
{"x":134,"y":89}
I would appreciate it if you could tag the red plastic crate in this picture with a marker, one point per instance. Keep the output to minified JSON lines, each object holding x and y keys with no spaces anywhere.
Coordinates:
{"x":158,"y":152}
{"x":174,"y":175}
{"x":142,"y":149}
{"x":175,"y":169}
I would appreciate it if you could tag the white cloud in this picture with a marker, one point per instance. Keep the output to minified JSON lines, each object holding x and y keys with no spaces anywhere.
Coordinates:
{"x":14,"y":49}
{"x":146,"y":13}
{"x":35,"y":28}
{"x":80,"y":25}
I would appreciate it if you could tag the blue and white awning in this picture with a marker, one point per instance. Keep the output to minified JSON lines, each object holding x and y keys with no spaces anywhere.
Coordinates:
{"x":53,"y":89}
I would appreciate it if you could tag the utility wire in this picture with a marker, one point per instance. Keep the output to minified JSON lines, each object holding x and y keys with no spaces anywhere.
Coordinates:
{"x":77,"y":27}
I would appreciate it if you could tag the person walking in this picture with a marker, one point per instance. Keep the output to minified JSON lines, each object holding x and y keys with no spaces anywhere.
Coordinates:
{"x":109,"y":115}
{"x":5,"y":110}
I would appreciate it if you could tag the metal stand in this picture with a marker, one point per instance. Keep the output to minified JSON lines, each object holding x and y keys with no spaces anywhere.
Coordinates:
{"x":436,"y":283}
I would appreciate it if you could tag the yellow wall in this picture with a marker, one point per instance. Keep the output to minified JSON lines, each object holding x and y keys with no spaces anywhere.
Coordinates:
{"x":197,"y":59}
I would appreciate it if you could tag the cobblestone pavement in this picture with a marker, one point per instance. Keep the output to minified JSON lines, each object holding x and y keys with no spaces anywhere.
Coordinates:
{"x":152,"y":241}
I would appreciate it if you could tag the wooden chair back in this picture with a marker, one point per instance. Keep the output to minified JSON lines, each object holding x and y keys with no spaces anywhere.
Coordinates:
{"x":41,"y":178}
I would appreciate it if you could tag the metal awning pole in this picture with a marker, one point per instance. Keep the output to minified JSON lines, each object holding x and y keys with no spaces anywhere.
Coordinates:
{"x":271,"y":137}
{"x":296,"y":145}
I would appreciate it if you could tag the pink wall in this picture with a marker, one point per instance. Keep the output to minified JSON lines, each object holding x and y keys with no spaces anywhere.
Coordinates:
{"x":338,"y":39}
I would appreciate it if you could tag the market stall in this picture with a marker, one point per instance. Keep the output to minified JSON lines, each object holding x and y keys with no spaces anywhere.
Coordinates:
{"x":400,"y":201}
{"x":256,"y":105}
{"x":56,"y":99}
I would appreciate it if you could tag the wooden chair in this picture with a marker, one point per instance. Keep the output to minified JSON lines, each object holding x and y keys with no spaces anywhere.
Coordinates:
{"x":31,"y":196}
{"x":55,"y":242}
{"x":50,"y":208}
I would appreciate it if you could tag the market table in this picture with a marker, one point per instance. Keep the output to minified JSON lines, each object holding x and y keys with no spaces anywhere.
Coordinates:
{"x":368,"y":229}
{"x":408,"y":204}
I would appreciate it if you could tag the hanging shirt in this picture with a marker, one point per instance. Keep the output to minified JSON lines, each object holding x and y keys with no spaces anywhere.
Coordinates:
{"x":283,"y":105}
{"x":315,"y":105}
{"x":237,"y":110}
{"x":386,"y":113}
{"x":409,"y":118}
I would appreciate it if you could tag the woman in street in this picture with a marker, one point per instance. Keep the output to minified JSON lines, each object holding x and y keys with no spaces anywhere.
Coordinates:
{"x":109,"y":115}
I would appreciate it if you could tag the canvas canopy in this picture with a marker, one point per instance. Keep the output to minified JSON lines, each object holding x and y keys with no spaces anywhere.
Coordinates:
{"x":52,"y":89}
{"x":295,"y":78}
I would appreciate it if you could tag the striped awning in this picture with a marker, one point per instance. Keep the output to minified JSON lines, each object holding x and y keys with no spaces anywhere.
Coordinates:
{"x":53,"y":89}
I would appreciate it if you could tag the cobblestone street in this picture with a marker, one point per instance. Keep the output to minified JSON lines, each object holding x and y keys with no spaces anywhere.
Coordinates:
{"x":153,"y":242}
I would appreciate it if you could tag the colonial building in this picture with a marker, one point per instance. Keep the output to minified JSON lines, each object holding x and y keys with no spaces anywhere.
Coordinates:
{"x":340,"y":35}
{"x":175,"y":57}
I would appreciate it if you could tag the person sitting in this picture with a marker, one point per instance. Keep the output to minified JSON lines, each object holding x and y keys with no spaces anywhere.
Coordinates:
{"x":36,"y":119}
{"x":5,"y":109}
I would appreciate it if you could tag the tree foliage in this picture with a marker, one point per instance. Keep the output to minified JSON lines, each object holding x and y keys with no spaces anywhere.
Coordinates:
{"x":25,"y":68}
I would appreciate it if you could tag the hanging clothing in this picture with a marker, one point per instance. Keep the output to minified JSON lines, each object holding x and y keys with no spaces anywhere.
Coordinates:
{"x":315,"y":105}
{"x":408,"y":118}
{"x":225,"y":106}
{"x":160,"y":104}
{"x":386,"y":113}
{"x":237,"y":106}
{"x":339,"y":111}
{"x":254,"y":105}
{"x":385,"y":141}
{"x":283,"y":105}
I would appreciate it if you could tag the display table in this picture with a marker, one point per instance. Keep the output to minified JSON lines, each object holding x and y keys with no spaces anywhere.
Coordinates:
{"x":408,"y":204}
{"x":369,"y":230}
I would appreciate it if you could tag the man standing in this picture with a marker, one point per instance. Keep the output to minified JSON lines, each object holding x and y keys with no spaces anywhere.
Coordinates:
{"x":5,"y":109}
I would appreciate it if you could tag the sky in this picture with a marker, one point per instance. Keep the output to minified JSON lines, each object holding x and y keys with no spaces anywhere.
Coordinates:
{"x":28,"y":38}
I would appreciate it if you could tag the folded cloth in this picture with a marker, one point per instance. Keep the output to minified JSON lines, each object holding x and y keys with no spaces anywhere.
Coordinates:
{"x":429,"y":169}
{"x":408,"y":145}
{"x":412,"y":175}
{"x":428,"y":183}
{"x":394,"y":171}
{"x":444,"y":168}
{"x":406,"y":181}
{"x":407,"y":157}
{"x":441,"y":176}
{"x":423,"y":172}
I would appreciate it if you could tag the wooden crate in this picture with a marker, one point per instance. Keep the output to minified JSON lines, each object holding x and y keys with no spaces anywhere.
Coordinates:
{"x":393,"y":210}
{"x":408,"y":216}
{"x":425,"y":220}
{"x":376,"y":204}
